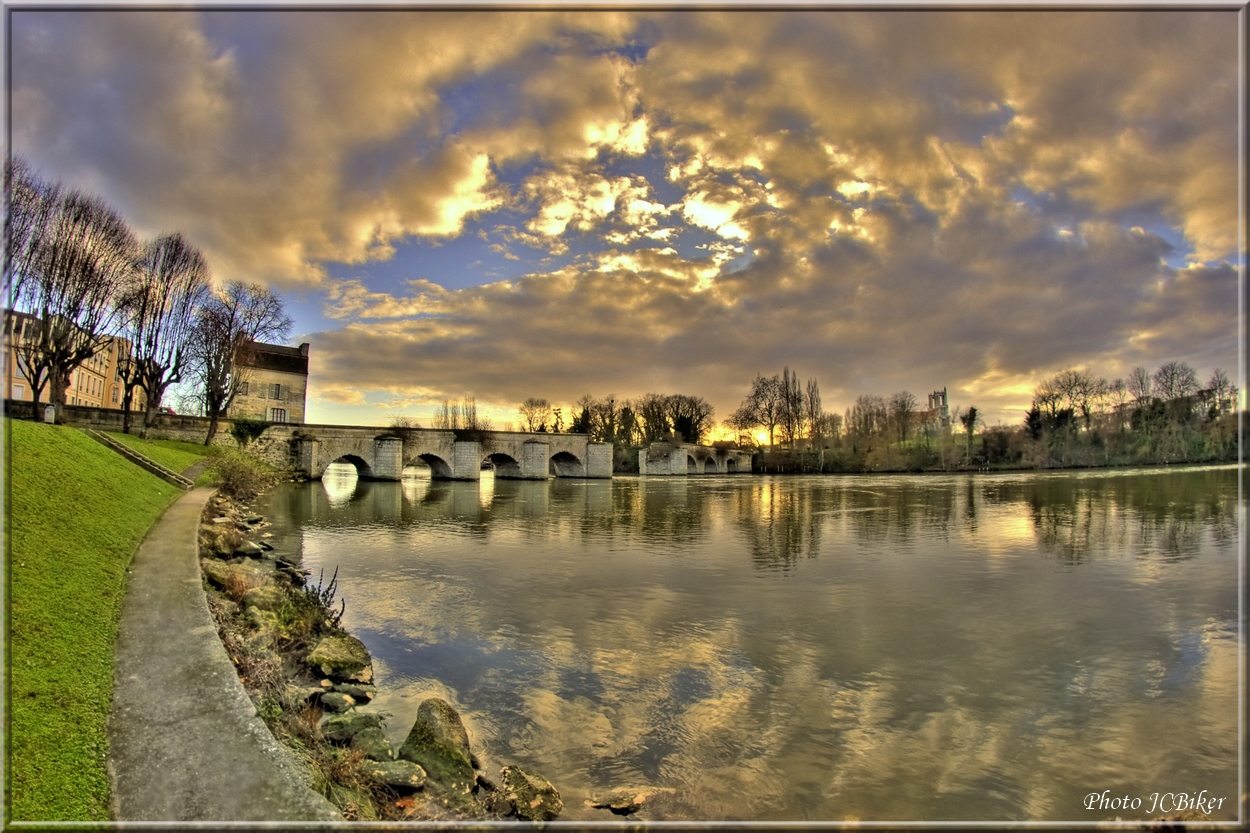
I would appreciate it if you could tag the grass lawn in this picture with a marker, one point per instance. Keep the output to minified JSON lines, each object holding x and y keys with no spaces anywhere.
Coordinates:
{"x":172,"y":454}
{"x":77,"y":512}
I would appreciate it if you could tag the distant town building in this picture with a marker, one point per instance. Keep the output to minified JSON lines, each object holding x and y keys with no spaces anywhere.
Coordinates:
{"x":96,"y":383}
{"x":275,"y":382}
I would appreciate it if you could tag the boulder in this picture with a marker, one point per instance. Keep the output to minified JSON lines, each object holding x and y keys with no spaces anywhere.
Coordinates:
{"x":267,"y":597}
{"x":342,"y":658}
{"x":375,"y":746}
{"x":440,"y":744}
{"x":360,"y":693}
{"x":223,"y":520}
{"x":627,"y":800}
{"x":341,"y":728}
{"x":221,"y":572}
{"x":397,"y":773}
{"x":253,"y":519}
{"x":531,"y":795}
{"x":249,"y":549}
{"x":299,"y":694}
{"x":336,"y":702}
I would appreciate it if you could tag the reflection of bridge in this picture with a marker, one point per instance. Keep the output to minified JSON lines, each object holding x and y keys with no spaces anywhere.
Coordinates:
{"x":382,"y":454}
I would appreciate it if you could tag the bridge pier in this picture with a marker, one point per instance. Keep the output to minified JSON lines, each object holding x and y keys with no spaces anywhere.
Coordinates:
{"x":388,"y":458}
{"x":599,"y":460}
{"x":466,"y":460}
{"x":534,"y":457}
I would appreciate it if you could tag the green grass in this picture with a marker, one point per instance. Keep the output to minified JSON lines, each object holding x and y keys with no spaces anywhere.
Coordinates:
{"x":172,"y":454}
{"x":77,"y":512}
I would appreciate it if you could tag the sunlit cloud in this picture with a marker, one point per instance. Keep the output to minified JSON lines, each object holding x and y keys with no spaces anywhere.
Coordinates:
{"x":882,"y":201}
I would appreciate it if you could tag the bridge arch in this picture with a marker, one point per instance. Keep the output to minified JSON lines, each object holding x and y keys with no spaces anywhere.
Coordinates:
{"x":363,"y":469}
{"x":506,"y":466}
{"x":566,"y":464}
{"x":440,"y":469}
{"x":691,"y":466}
{"x":731,"y":465}
{"x":709,"y":465}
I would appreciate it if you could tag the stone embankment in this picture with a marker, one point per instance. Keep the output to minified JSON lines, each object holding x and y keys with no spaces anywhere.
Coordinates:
{"x":308,"y":678}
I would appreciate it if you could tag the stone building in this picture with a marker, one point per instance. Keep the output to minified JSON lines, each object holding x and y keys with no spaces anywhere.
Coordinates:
{"x":275,"y":382}
{"x":97,"y":382}
{"x":937,"y":419}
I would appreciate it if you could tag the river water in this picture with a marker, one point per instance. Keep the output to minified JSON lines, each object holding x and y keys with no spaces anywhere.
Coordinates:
{"x":913,"y":647}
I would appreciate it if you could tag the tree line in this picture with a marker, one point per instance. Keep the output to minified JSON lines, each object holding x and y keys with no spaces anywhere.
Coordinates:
{"x":83,"y":276}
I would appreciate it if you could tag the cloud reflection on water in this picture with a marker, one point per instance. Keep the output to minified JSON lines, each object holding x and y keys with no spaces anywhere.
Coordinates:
{"x":819,"y":648}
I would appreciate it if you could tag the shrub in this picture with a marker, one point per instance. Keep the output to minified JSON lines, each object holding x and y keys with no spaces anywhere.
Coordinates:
{"x":245,"y":429}
{"x":241,"y":477}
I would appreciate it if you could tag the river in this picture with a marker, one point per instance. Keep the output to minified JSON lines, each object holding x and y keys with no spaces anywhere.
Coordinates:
{"x":912,"y":647}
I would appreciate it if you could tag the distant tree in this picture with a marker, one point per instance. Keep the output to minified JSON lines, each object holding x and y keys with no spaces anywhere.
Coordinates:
{"x":1175,"y":379}
{"x":902,"y":411}
{"x":812,"y":411}
{"x":159,"y":309}
{"x":790,"y":416}
{"x":690,"y":416}
{"x":1223,"y":392}
{"x":1140,"y":384}
{"x":765,"y":405}
{"x":868,"y":417}
{"x":535,"y":413}
{"x":653,"y":414}
{"x":227,"y":324}
{"x":969,"y":419}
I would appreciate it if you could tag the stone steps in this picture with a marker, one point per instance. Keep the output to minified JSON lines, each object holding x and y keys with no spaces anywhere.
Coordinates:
{"x":140,"y":460}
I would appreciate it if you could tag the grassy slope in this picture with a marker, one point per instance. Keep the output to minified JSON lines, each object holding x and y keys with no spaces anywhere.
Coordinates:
{"x":76,"y":516}
{"x":173,"y":455}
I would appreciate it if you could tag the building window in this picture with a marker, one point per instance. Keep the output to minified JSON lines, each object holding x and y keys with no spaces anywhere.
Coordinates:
{"x":114,"y":394}
{"x":277,"y":414}
{"x":275,"y":392}
{"x":242,"y":388}
{"x":19,"y":391}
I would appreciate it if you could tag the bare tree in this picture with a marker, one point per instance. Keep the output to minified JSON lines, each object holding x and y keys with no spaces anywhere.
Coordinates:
{"x":791,"y":411}
{"x":30,"y":202}
{"x":812,"y":411}
{"x":159,"y":310}
{"x":765,"y":404}
{"x":1140,"y":384}
{"x":226,"y":327}
{"x":868,"y":416}
{"x":1117,"y":396}
{"x":1223,"y":392}
{"x":534,"y":414}
{"x":77,"y":262}
{"x":902,"y":412}
{"x":1174,"y":380}
{"x":653,"y":414}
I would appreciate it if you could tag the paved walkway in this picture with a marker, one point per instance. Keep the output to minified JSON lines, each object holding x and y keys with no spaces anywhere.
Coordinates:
{"x":185,"y":743}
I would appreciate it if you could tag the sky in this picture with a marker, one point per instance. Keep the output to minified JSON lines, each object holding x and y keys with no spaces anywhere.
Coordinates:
{"x":521,"y":203}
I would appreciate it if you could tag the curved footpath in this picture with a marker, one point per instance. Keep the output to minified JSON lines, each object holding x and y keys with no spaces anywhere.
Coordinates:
{"x":185,"y":742}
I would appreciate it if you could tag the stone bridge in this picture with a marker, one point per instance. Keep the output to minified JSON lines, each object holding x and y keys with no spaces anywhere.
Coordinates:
{"x":673,"y":457}
{"x":383,"y":453}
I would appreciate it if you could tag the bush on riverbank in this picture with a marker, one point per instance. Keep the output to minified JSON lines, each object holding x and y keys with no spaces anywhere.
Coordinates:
{"x":77,"y":513}
{"x":240,"y":476}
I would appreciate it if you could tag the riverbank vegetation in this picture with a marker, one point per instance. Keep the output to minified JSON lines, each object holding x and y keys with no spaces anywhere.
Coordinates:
{"x":77,"y":512}
{"x":1076,"y":420}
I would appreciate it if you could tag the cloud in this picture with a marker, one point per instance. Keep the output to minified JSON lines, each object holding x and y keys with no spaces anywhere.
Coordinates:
{"x":880,"y":201}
